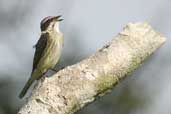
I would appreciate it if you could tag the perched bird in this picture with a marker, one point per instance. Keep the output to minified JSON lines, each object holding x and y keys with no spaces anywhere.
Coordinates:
{"x":48,"y":50}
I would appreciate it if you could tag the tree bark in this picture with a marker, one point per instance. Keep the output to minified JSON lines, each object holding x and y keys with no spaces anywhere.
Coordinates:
{"x":73,"y":87}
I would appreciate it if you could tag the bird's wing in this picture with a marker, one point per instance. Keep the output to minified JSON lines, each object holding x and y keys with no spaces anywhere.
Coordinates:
{"x":40,"y":47}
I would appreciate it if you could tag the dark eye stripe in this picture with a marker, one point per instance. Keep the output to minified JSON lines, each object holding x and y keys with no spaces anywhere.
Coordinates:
{"x":46,"y":19}
{"x":45,"y":22}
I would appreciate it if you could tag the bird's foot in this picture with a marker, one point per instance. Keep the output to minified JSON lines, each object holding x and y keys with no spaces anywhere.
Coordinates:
{"x":54,"y":70}
{"x":62,"y":68}
{"x":46,"y":74}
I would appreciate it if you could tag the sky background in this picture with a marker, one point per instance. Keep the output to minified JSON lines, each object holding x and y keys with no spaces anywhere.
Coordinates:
{"x":87,"y":26}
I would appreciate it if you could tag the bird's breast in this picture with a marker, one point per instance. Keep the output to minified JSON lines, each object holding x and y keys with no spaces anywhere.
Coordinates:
{"x":54,"y":51}
{"x":51,"y":54}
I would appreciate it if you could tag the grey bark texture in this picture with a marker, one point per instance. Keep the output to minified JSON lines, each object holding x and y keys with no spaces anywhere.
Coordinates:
{"x":75,"y":86}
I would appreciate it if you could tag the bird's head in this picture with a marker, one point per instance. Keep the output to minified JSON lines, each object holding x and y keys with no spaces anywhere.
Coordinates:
{"x":50,"y":23}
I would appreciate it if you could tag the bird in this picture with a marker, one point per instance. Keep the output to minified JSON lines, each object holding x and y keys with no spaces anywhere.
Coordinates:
{"x":47,"y":50}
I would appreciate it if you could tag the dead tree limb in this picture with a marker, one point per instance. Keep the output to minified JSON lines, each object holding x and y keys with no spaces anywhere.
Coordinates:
{"x":75,"y":86}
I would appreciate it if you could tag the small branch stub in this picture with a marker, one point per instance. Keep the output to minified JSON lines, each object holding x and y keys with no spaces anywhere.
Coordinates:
{"x":73,"y":87}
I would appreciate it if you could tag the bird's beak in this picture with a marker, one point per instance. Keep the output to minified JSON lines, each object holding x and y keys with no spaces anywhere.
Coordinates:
{"x":58,"y":18}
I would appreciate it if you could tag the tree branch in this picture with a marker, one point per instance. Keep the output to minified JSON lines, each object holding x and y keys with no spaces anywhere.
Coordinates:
{"x":75,"y":86}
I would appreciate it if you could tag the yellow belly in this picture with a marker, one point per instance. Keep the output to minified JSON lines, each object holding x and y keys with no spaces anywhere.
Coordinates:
{"x":51,"y":56}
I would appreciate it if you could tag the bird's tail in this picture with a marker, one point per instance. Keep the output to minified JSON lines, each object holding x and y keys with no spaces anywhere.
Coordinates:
{"x":34,"y":76}
{"x":26,"y":87}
